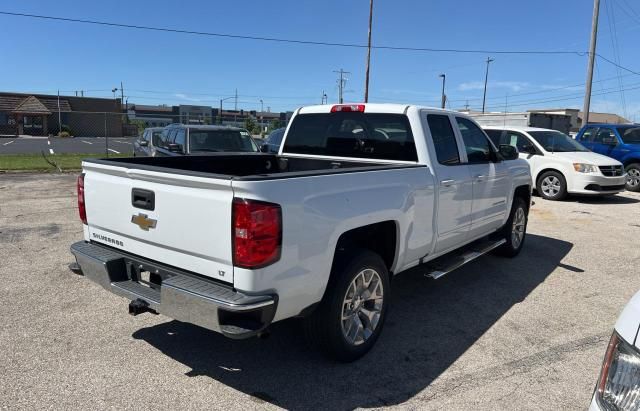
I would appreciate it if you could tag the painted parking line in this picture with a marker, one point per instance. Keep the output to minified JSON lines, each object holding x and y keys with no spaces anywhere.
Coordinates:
{"x":51,"y":150}
{"x":113,"y":151}
{"x":86,"y":142}
{"x":123,"y":142}
{"x":48,"y":142}
{"x":6,"y":144}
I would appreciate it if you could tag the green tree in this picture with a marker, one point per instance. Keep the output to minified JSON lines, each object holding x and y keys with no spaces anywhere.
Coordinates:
{"x":275,"y":124}
{"x":251,"y":125}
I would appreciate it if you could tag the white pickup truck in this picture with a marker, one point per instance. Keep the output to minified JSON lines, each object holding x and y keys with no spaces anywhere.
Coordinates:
{"x":356,"y":194}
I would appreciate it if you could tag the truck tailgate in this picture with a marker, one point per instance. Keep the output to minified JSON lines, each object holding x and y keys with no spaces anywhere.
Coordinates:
{"x":187,"y":226}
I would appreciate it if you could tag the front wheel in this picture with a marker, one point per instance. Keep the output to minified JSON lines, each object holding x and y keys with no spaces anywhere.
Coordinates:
{"x":552,"y":186}
{"x":514,"y":230}
{"x":349,"y":319}
{"x":633,"y":177}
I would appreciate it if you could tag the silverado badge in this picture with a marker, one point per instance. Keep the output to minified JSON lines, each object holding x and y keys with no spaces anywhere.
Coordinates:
{"x":143,"y":221}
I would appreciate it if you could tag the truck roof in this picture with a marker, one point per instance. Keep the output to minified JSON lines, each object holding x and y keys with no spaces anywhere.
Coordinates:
{"x":517,"y":128}
{"x":387,"y":108}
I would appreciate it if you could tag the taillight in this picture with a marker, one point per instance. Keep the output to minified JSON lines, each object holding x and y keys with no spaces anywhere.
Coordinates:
{"x":82,"y":210}
{"x":348,"y":108}
{"x":256,"y":233}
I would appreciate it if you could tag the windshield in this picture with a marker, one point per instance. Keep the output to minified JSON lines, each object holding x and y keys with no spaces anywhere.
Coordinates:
{"x":555,"y":141}
{"x":630,"y":135}
{"x":220,"y":140}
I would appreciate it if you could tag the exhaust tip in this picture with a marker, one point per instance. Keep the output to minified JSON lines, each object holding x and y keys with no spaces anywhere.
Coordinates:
{"x":75,"y":268}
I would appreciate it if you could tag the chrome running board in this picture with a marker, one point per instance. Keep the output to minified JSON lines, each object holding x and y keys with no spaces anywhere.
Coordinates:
{"x":456,"y":259}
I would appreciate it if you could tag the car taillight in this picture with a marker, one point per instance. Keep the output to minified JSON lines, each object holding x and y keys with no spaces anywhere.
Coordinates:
{"x":256,"y":233}
{"x":348,"y":108}
{"x":619,"y":384}
{"x":82,"y":210}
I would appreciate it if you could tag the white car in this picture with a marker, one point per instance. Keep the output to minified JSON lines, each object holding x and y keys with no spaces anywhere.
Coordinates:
{"x":618,"y":387}
{"x":559,"y":164}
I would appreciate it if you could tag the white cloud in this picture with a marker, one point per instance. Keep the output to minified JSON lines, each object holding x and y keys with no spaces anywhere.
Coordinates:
{"x":185,"y":97}
{"x":479,"y":85}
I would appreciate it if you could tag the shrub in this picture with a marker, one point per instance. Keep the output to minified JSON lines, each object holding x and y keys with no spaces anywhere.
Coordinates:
{"x":64,"y":134}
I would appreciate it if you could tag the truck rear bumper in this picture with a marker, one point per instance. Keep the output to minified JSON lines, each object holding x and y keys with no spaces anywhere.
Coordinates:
{"x":175,"y":293}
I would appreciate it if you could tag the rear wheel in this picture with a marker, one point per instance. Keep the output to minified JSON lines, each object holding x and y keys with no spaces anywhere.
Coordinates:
{"x":349,"y":319}
{"x":515,"y":229}
{"x":552,"y":186}
{"x":633,"y":177}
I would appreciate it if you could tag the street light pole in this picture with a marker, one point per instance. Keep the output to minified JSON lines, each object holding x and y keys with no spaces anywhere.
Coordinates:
{"x":221,"y":100}
{"x":486,"y":77}
{"x":366,"y":81}
{"x":592,"y":56}
{"x":444,"y":97}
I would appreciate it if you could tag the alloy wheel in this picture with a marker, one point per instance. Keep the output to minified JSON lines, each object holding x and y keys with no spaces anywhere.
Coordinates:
{"x":551,"y":186}
{"x":362,"y":307}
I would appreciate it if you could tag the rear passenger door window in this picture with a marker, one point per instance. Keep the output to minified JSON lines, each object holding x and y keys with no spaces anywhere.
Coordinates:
{"x":444,"y":139}
{"x":475,"y":141}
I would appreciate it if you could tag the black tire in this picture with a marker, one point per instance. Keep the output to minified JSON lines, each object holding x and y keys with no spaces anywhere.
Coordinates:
{"x":512,"y":247}
{"x":552,"y":195}
{"x":633,"y":177}
{"x":324,"y":327}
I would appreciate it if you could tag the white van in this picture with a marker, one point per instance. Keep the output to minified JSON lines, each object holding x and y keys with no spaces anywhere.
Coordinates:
{"x":559,"y":164}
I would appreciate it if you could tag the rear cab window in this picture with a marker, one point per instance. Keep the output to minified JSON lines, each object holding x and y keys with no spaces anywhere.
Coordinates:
{"x":352,"y":134}
{"x":444,"y":139}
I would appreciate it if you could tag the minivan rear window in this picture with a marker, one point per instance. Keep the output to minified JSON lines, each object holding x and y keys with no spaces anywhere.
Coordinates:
{"x":352,"y":134}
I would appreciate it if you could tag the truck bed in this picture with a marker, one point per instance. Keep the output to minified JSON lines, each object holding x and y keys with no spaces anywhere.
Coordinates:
{"x":246,"y":166}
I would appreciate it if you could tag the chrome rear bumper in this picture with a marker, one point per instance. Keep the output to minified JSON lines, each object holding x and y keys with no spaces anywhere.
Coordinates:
{"x":175,"y":293}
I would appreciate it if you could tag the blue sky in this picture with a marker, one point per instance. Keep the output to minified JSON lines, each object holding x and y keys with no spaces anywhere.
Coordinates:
{"x":158,"y":67}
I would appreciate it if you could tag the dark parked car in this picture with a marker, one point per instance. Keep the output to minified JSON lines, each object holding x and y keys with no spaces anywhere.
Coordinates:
{"x":271,"y":144}
{"x":184,"y":139}
{"x":145,"y":145}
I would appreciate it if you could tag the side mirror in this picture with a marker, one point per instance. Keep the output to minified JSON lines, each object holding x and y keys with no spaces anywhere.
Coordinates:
{"x":508,"y":152}
{"x":143,"y":143}
{"x":175,"y":148}
{"x":529,"y":149}
{"x":610,"y":141}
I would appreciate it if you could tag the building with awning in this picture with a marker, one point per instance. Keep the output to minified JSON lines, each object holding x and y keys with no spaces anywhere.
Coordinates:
{"x":44,"y":115}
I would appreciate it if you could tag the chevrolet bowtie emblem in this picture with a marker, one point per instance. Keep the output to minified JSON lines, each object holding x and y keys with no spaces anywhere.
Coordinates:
{"x":143,"y":221}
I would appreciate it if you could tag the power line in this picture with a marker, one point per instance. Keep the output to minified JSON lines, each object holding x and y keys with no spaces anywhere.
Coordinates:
{"x":293,"y":41}
{"x":618,"y":65}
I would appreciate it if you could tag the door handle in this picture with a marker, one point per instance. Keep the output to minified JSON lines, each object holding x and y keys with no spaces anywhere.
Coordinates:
{"x":447,"y":183}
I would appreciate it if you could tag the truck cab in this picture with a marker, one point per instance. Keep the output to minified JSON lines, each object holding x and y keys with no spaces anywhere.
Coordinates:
{"x":618,"y":141}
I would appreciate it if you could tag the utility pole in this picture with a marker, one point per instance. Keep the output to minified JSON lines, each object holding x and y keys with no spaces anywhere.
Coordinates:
{"x":366,"y":78}
{"x":592,"y":56}
{"x":236,"y":106}
{"x":444,"y":97}
{"x":466,"y":105}
{"x":59,"y":115}
{"x":324,"y":98}
{"x":486,"y":77}
{"x":342,"y":81}
{"x":121,"y":95}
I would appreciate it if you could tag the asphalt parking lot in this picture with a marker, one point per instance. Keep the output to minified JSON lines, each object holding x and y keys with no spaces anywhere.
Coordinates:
{"x":55,"y":145}
{"x":526,"y":333}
